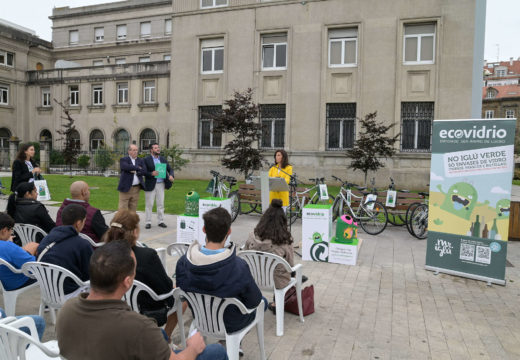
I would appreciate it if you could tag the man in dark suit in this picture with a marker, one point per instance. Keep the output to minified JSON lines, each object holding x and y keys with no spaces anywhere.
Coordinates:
{"x":154,"y":187}
{"x":131,"y":180}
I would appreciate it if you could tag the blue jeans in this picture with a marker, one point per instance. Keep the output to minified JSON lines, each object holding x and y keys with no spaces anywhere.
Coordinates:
{"x":38,"y":321}
{"x":211,"y":352}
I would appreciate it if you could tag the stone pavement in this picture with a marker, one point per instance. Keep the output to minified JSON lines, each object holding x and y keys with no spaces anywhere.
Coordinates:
{"x":385,"y":307}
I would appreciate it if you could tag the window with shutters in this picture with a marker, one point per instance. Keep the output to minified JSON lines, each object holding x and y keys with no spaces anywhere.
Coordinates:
{"x":274,"y":51}
{"x":343,"y":47}
{"x":121,"y":32}
{"x":212,"y":56}
{"x":419,"y":44}
{"x":73,"y":37}
{"x":99,"y":34}
{"x":146,"y":29}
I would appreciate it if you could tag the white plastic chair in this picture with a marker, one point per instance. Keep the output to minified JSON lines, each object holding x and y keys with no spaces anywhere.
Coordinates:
{"x":262,"y":266}
{"x":208,"y":318}
{"x":16,"y":344}
{"x":178,"y":249}
{"x":51,"y":278}
{"x":10,"y":296}
{"x":27,"y":233}
{"x":92,"y":242}
{"x":131,"y":299}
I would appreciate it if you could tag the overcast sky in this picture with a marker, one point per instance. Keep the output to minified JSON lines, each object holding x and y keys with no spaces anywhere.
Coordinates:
{"x":502,"y":24}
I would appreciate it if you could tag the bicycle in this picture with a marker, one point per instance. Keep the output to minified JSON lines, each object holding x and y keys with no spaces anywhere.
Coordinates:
{"x":418,"y":222}
{"x":411,"y":209}
{"x":397,"y":214}
{"x":371,"y":214}
{"x":221,"y":190}
{"x":300,"y":199}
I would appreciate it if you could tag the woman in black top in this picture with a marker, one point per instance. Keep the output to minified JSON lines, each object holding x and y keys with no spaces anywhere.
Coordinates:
{"x":24,"y":167}
{"x":23,"y":207}
{"x":149,"y":269}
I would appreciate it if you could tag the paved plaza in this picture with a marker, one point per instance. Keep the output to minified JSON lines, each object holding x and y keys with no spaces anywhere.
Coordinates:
{"x":386,"y":307}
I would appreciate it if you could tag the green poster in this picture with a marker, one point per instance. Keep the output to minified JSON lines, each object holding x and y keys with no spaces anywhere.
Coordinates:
{"x":161,"y":169}
{"x":470,"y":190}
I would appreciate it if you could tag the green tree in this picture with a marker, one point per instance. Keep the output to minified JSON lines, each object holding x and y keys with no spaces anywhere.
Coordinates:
{"x":372,"y":145}
{"x":174,"y":157}
{"x":83,"y":161}
{"x":239,"y":118}
{"x":70,"y":150}
{"x":103,"y":158}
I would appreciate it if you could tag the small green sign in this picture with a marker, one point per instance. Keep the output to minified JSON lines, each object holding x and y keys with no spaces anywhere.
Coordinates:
{"x":161,"y":169}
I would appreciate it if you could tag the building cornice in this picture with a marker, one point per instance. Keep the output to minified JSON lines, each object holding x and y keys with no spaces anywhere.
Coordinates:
{"x":67,"y":12}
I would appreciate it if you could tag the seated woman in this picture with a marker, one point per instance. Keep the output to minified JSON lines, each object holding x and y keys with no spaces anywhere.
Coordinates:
{"x":149,"y":269}
{"x":23,"y":207}
{"x":272,"y":235}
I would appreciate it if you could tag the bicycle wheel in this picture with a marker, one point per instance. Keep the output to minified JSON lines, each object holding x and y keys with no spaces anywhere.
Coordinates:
{"x":293,"y":211}
{"x":337,"y":210}
{"x":235,"y":204}
{"x":408,"y":215}
{"x":246,"y":208}
{"x":396,"y":219}
{"x":419,"y":222}
{"x":373,"y":217}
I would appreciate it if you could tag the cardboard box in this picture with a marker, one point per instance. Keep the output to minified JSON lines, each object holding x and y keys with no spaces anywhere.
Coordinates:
{"x":316,"y":227}
{"x":205,"y":205}
{"x":187,"y":228}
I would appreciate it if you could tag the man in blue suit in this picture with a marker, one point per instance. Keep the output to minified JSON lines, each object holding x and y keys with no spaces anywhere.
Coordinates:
{"x":154,"y":186}
{"x":131,"y":180}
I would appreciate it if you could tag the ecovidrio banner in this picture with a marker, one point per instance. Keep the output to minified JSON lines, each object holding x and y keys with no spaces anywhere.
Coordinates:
{"x":470,"y":191}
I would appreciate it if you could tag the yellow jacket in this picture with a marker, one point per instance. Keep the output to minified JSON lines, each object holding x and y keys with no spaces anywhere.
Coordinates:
{"x":282,"y":195}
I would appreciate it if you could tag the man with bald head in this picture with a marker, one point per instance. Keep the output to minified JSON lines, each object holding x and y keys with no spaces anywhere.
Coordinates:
{"x":95,"y":225}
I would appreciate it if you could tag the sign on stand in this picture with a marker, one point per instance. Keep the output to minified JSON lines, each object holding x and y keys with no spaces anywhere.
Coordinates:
{"x":470,"y":192}
{"x":316,"y":229}
{"x":187,"y":228}
{"x":205,"y":205}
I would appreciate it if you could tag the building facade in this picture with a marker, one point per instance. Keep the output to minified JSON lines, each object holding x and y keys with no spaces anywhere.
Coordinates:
{"x":138,"y":71}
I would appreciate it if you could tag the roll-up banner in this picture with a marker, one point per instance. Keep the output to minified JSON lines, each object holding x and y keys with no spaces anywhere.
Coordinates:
{"x":470,"y":192}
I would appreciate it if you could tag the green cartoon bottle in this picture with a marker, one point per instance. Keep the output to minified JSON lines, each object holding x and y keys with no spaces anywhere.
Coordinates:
{"x":476,"y":228}
{"x":494,"y":230}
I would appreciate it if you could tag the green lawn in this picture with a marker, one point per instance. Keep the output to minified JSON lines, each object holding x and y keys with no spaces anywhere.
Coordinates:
{"x":104,"y":194}
{"x":516,"y":182}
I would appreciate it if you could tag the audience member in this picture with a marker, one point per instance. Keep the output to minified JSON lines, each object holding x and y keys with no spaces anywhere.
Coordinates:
{"x":149,"y":270}
{"x":99,"y":325}
{"x":95,"y":225}
{"x":154,"y":187}
{"x":39,"y":323}
{"x":215,"y":270}
{"x":64,"y":247}
{"x":14,"y":255}
{"x":131,"y":179}
{"x":24,"y":167}
{"x":23,"y":207}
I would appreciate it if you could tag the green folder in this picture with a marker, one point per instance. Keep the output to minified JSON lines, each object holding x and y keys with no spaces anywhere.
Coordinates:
{"x":161,"y":169}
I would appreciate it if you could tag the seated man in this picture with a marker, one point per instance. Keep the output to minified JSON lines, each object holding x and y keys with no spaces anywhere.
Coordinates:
{"x":99,"y":325}
{"x":14,"y":255}
{"x":64,"y":247}
{"x":39,"y":323}
{"x":216,"y":270}
{"x":95,"y":225}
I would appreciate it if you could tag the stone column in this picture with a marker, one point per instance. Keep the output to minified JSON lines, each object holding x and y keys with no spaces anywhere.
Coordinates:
{"x":45,"y":153}
{"x":13,"y":149}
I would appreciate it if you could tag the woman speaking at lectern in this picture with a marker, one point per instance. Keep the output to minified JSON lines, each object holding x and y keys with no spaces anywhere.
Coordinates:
{"x":281,"y":169}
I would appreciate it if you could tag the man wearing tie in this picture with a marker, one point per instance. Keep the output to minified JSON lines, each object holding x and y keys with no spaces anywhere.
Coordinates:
{"x":131,"y":180}
{"x":155,"y":184}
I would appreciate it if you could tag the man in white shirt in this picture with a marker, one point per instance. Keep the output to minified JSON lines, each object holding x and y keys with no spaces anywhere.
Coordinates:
{"x":131,"y":180}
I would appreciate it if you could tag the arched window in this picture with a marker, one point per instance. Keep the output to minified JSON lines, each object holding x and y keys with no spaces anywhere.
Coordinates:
{"x":5,"y":134}
{"x":46,"y":135}
{"x":75,"y":139}
{"x":121,"y":141}
{"x":97,"y":140}
{"x":147,"y":138}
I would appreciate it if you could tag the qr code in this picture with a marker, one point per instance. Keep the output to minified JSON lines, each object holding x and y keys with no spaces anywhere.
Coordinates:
{"x":483,"y":255}
{"x":467,"y":252}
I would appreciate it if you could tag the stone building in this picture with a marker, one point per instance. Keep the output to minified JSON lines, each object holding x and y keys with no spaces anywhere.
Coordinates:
{"x":315,"y":66}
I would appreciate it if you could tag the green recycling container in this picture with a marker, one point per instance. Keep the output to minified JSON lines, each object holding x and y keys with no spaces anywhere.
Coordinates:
{"x":191,"y":207}
{"x":346,"y":229}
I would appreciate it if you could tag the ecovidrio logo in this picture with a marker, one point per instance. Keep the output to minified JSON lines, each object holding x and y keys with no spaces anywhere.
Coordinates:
{"x":476,"y":133}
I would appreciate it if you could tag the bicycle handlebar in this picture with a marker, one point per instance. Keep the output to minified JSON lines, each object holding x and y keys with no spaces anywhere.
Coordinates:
{"x":318,"y":180}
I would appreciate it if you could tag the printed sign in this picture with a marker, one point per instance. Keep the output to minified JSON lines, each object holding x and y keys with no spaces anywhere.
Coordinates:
{"x":187,"y":228}
{"x":470,"y":191}
{"x":390,"y":198}
{"x":324,"y":194}
{"x":205,"y":205}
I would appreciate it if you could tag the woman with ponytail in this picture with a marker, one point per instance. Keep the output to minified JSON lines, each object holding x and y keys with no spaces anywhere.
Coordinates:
{"x":23,"y":207}
{"x":149,"y":269}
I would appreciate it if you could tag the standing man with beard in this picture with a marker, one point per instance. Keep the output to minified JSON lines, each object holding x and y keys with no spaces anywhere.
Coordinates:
{"x":155,"y":184}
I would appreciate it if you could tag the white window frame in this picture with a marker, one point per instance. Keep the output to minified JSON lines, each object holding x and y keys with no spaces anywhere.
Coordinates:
{"x":73,"y":94}
{"x":4,"y":94}
{"x":149,"y":92}
{"x":500,"y":72}
{"x":212,"y":50}
{"x":99,"y":34}
{"x":99,"y":142}
{"x":122,"y":92}
{"x":167,"y":28}
{"x":46,"y":96}
{"x":489,"y":114}
{"x":343,"y":40}
{"x":275,"y":46}
{"x":213,"y":5}
{"x":97,"y":94}
{"x":6,"y":57}
{"x":121,"y":36}
{"x":144,"y":59}
{"x":419,"y":39}
{"x":97,"y":63}
{"x":120,"y":61}
{"x":510,"y":113}
{"x":70,"y":37}
{"x":167,"y":57}
{"x":143,"y":35}
{"x":491,"y":93}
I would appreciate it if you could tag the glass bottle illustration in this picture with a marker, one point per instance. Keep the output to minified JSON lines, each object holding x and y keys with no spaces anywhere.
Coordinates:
{"x":494,"y":230}
{"x":485,"y":232}
{"x":476,"y":228}
{"x":470,"y":231}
